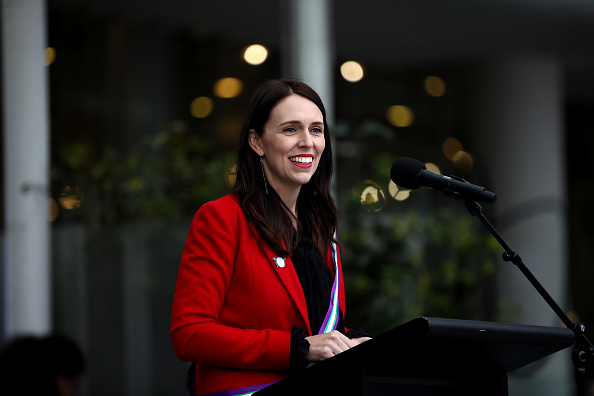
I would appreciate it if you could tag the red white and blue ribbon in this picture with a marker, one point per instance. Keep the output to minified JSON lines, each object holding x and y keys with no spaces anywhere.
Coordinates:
{"x":331,"y":319}
{"x":246,"y":391}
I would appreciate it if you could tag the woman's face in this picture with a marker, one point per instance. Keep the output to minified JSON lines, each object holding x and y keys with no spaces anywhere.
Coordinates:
{"x":291,"y":144}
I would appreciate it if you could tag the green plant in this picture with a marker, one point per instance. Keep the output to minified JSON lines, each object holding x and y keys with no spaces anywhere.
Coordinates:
{"x":167,"y":175}
{"x":402,"y":264}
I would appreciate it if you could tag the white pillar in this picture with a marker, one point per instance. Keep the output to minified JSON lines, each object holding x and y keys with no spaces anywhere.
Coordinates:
{"x":26,"y":162}
{"x":308,"y":52}
{"x":519,"y":138}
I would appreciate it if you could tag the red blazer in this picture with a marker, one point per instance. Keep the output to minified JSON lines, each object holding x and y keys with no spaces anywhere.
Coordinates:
{"x":233,"y":308}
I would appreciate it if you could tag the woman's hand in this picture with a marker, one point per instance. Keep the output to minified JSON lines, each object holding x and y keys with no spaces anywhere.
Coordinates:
{"x":360,"y":340}
{"x":324,"y":346}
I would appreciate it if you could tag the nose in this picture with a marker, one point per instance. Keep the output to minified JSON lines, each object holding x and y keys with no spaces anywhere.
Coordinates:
{"x":306,"y":140}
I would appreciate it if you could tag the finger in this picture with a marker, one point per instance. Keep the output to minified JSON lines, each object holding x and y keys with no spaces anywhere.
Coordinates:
{"x":344,"y":343}
{"x":360,"y":340}
{"x":340,"y":342}
{"x":346,"y":340}
{"x":324,"y":346}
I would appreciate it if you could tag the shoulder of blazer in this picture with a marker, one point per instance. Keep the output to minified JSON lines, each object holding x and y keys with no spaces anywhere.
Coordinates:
{"x":228,"y":202}
{"x":225,"y":207}
{"x":228,"y":206}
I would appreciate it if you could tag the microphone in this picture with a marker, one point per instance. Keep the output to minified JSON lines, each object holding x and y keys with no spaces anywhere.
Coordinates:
{"x":412,"y":174}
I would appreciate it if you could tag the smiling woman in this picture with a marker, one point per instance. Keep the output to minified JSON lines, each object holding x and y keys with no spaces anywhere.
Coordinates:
{"x":290,"y":146}
{"x":260,"y":292}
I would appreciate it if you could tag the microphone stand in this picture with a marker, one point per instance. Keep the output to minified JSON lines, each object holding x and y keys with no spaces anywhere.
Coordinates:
{"x":583,"y":351}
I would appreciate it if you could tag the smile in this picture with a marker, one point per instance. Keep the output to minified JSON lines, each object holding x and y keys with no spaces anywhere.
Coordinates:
{"x":303,"y":161}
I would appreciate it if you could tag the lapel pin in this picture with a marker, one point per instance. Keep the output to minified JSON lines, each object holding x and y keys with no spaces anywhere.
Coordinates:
{"x":279,"y":261}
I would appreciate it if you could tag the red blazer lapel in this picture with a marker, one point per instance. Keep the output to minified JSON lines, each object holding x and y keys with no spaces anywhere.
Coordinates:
{"x":288,"y":277}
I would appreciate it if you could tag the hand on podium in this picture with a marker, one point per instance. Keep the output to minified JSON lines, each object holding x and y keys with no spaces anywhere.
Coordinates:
{"x":324,"y":346}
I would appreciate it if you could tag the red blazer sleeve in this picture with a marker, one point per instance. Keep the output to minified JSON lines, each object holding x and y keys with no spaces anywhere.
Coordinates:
{"x":219,"y":316}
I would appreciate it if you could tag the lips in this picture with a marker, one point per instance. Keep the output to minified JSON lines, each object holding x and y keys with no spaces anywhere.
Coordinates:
{"x":302,"y":161}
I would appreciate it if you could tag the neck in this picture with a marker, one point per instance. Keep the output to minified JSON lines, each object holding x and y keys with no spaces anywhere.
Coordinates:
{"x":289,"y":198}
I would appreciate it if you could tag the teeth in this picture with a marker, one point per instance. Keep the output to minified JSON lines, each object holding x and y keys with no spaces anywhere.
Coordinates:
{"x":302,"y":160}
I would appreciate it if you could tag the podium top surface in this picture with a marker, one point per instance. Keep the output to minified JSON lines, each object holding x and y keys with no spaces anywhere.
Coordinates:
{"x":492,"y":331}
{"x":507,"y":346}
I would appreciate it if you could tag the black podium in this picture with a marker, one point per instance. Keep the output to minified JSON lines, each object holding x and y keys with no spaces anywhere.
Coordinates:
{"x":429,"y":356}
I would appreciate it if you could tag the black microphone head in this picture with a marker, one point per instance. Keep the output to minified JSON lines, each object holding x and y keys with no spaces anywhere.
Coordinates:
{"x":405,"y":172}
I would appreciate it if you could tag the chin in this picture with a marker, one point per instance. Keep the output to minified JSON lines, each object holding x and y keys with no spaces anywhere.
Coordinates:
{"x":303,"y":180}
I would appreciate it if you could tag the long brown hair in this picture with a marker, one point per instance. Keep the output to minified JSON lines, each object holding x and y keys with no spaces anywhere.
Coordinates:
{"x":267,"y":211}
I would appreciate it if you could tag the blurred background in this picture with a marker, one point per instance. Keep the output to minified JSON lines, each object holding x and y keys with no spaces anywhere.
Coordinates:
{"x":120,"y":118}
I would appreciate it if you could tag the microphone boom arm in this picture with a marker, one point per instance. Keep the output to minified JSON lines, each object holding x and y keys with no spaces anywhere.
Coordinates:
{"x":583,"y":352}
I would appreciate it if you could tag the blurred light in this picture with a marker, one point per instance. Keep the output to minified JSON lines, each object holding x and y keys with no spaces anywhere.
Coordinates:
{"x":432,"y":168}
{"x":573,"y":315}
{"x":201,"y":107}
{"x":398,"y":193}
{"x":400,"y":116}
{"x":71,"y":198}
{"x":52,"y":209}
{"x":463,"y":161}
{"x":70,"y":203}
{"x":450,"y":147}
{"x":50,"y":55}
{"x":351,"y":71}
{"x":434,"y":86}
{"x":255,"y":54}
{"x":372,"y":197}
{"x":230,"y":175}
{"x":228,"y":87}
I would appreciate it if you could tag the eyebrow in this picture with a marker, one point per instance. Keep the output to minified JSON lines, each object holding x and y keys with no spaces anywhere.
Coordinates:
{"x":299,"y":122}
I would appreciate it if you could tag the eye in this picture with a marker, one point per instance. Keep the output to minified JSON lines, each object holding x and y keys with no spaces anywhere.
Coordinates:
{"x":317,"y":130}
{"x":289,"y":129}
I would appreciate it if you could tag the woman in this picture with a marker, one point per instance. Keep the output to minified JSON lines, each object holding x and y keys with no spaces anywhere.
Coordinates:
{"x":259,"y":290}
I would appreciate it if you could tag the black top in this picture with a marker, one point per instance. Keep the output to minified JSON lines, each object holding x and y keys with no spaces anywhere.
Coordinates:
{"x":315,"y":277}
{"x":316,"y":281}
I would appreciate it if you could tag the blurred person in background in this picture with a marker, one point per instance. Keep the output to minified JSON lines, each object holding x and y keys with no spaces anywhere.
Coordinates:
{"x":50,"y":365}
{"x":259,"y":291}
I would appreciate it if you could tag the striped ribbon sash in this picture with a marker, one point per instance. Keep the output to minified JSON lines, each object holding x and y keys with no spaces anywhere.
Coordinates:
{"x":331,"y":319}
{"x":248,"y":390}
